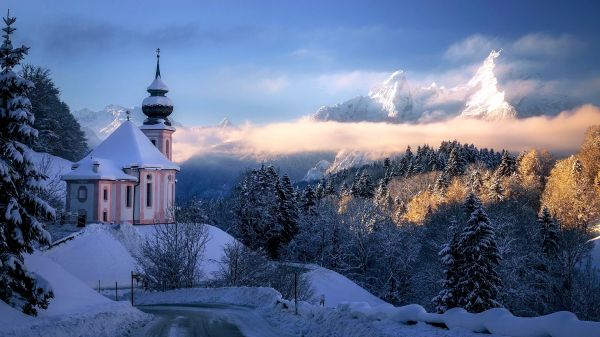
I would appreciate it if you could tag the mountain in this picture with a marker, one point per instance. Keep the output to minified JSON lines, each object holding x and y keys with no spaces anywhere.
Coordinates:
{"x":487,"y":102}
{"x":397,"y":101}
{"x":318,"y":172}
{"x":391,"y":102}
{"x":100,"y":124}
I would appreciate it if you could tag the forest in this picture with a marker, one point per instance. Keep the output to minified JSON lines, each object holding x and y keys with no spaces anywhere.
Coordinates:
{"x":445,"y":227}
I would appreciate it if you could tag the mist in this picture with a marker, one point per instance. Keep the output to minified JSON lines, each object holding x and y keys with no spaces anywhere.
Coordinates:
{"x":561,"y":134}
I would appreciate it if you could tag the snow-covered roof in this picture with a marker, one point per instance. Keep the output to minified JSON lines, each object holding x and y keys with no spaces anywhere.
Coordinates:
{"x":125,"y":148}
{"x":157,"y":100}
{"x":158,"y":84}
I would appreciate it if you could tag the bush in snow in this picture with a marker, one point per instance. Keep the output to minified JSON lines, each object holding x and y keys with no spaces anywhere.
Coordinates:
{"x":169,"y":259}
{"x":240,"y":266}
{"x":21,"y":208}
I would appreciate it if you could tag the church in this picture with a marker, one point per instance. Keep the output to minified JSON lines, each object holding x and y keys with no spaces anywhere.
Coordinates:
{"x":129,"y":177}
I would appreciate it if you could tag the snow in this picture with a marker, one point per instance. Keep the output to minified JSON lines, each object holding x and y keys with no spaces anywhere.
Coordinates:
{"x":346,"y":159}
{"x":76,"y":309}
{"x":106,"y":253}
{"x":157,"y":100}
{"x":126,"y":147}
{"x":318,"y":172}
{"x":96,"y":254}
{"x":596,"y":252}
{"x":487,"y":102}
{"x":158,"y":84}
{"x":338,"y":288}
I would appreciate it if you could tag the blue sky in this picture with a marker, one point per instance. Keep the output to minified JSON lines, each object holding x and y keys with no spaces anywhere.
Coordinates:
{"x":266,"y":61}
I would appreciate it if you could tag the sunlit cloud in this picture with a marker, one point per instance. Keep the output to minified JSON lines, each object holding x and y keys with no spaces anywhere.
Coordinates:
{"x":562,"y":134}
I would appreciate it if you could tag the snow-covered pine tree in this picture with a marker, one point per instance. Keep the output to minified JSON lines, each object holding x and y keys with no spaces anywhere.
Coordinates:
{"x":21,"y":208}
{"x":507,"y":166}
{"x":548,"y":228}
{"x":475,"y":181}
{"x":456,"y":165}
{"x":495,"y":190}
{"x":471,"y":204}
{"x":449,"y":296}
{"x":441,"y":183}
{"x":287,"y":209}
{"x":308,"y":201}
{"x":478,"y":282}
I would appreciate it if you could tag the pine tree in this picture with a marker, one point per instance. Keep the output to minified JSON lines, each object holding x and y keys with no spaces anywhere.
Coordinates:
{"x":507,"y":166}
{"x":456,"y":165}
{"x":548,"y":228}
{"x":475,"y":181}
{"x":478,"y":283}
{"x":21,"y":209}
{"x":496,"y":191}
{"x":449,"y":297}
{"x":471,"y":204}
{"x":441,"y":184}
{"x":59,"y":132}
{"x":287,"y":209}
{"x":308,"y":202}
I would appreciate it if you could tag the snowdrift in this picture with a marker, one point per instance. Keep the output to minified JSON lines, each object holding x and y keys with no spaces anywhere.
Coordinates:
{"x":338,"y":288}
{"x":497,"y":321}
{"x":76,"y":309}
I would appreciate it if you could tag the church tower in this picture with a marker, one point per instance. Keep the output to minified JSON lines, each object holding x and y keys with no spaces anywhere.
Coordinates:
{"x":157,"y":107}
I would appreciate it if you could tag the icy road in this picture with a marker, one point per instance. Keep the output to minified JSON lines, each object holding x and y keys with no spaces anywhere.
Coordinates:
{"x":210,"y":320}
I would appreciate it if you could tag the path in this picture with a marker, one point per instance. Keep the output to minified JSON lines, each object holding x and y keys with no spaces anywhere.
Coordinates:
{"x":205,"y":320}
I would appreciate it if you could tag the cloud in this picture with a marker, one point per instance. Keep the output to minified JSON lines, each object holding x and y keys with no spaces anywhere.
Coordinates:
{"x":540,"y":44}
{"x":474,"y":46}
{"x":76,"y":35}
{"x":350,"y":80}
{"x":562,"y":134}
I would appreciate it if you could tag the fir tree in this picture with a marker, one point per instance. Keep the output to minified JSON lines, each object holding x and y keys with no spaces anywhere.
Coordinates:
{"x":450,"y":257}
{"x":21,"y":209}
{"x":471,"y":204}
{"x":496,"y":191}
{"x":456,"y":165}
{"x":309,"y":201}
{"x":475,"y":181}
{"x":507,"y":165}
{"x":548,"y":228}
{"x":287,"y":209}
{"x":478,"y":283}
{"x":59,"y":132}
{"x":441,"y":184}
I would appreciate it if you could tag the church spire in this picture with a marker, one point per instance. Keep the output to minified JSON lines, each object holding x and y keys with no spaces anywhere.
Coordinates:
{"x":157,"y":63}
{"x":157,"y":106}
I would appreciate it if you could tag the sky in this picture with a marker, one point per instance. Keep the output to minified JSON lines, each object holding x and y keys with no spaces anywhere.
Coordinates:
{"x":275,"y":61}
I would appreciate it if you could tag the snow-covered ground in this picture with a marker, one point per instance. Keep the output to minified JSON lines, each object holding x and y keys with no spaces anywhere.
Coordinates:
{"x":106,"y":253}
{"x":76,"y":309}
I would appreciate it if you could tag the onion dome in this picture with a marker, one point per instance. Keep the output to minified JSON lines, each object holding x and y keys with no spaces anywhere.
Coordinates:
{"x":157,"y":106}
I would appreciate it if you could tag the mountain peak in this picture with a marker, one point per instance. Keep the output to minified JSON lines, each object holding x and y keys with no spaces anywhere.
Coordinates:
{"x":487,"y":102}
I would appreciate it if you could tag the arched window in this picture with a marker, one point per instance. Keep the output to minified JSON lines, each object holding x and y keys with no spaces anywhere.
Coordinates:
{"x":167,"y":148}
{"x":82,"y":194}
{"x":149,"y":190}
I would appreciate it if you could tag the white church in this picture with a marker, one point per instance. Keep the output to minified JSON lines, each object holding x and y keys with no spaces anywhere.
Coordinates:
{"x":129,"y":177}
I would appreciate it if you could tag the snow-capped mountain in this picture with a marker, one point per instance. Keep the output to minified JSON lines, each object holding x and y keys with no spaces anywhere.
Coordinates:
{"x":487,"y":102}
{"x":397,"y":101}
{"x":391,"y":102}
{"x":98,"y":125}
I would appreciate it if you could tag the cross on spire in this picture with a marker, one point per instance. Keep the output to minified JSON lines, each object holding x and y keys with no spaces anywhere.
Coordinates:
{"x":157,"y":63}
{"x":128,"y":113}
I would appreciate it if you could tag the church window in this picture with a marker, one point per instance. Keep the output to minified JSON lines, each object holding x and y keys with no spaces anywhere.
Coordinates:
{"x":105,"y":216}
{"x":128,"y":196}
{"x":167,"y":148}
{"x":149,"y":190}
{"x":82,"y":194}
{"x":105,"y":194}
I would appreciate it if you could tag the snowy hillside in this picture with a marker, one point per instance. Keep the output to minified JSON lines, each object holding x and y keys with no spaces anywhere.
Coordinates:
{"x":76,"y":310}
{"x":398,"y":101}
{"x":318,"y":172}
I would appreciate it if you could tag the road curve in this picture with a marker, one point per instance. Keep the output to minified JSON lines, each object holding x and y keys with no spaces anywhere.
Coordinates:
{"x":204,"y":320}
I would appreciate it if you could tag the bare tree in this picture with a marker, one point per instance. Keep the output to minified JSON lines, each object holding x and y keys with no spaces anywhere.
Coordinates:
{"x":169,"y":258}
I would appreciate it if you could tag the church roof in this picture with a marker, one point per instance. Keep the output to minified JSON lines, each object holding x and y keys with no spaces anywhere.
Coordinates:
{"x":126,"y":147}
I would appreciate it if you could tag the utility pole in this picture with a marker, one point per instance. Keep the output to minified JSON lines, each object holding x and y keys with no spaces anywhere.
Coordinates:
{"x":296,"y":292}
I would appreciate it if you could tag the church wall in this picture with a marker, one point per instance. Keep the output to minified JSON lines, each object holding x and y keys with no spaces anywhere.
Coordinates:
{"x":81,"y":198}
{"x":161,"y":207}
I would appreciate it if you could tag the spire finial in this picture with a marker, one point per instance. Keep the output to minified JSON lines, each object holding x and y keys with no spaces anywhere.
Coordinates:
{"x":128,"y":113}
{"x":157,"y":63}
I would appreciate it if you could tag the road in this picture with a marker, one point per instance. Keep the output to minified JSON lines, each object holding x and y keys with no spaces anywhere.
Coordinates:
{"x":205,"y":320}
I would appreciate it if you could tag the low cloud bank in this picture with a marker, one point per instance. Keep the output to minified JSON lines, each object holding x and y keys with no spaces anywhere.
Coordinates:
{"x":561,"y":134}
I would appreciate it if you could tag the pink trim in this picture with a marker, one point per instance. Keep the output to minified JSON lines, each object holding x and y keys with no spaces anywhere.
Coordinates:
{"x":120,"y":191}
